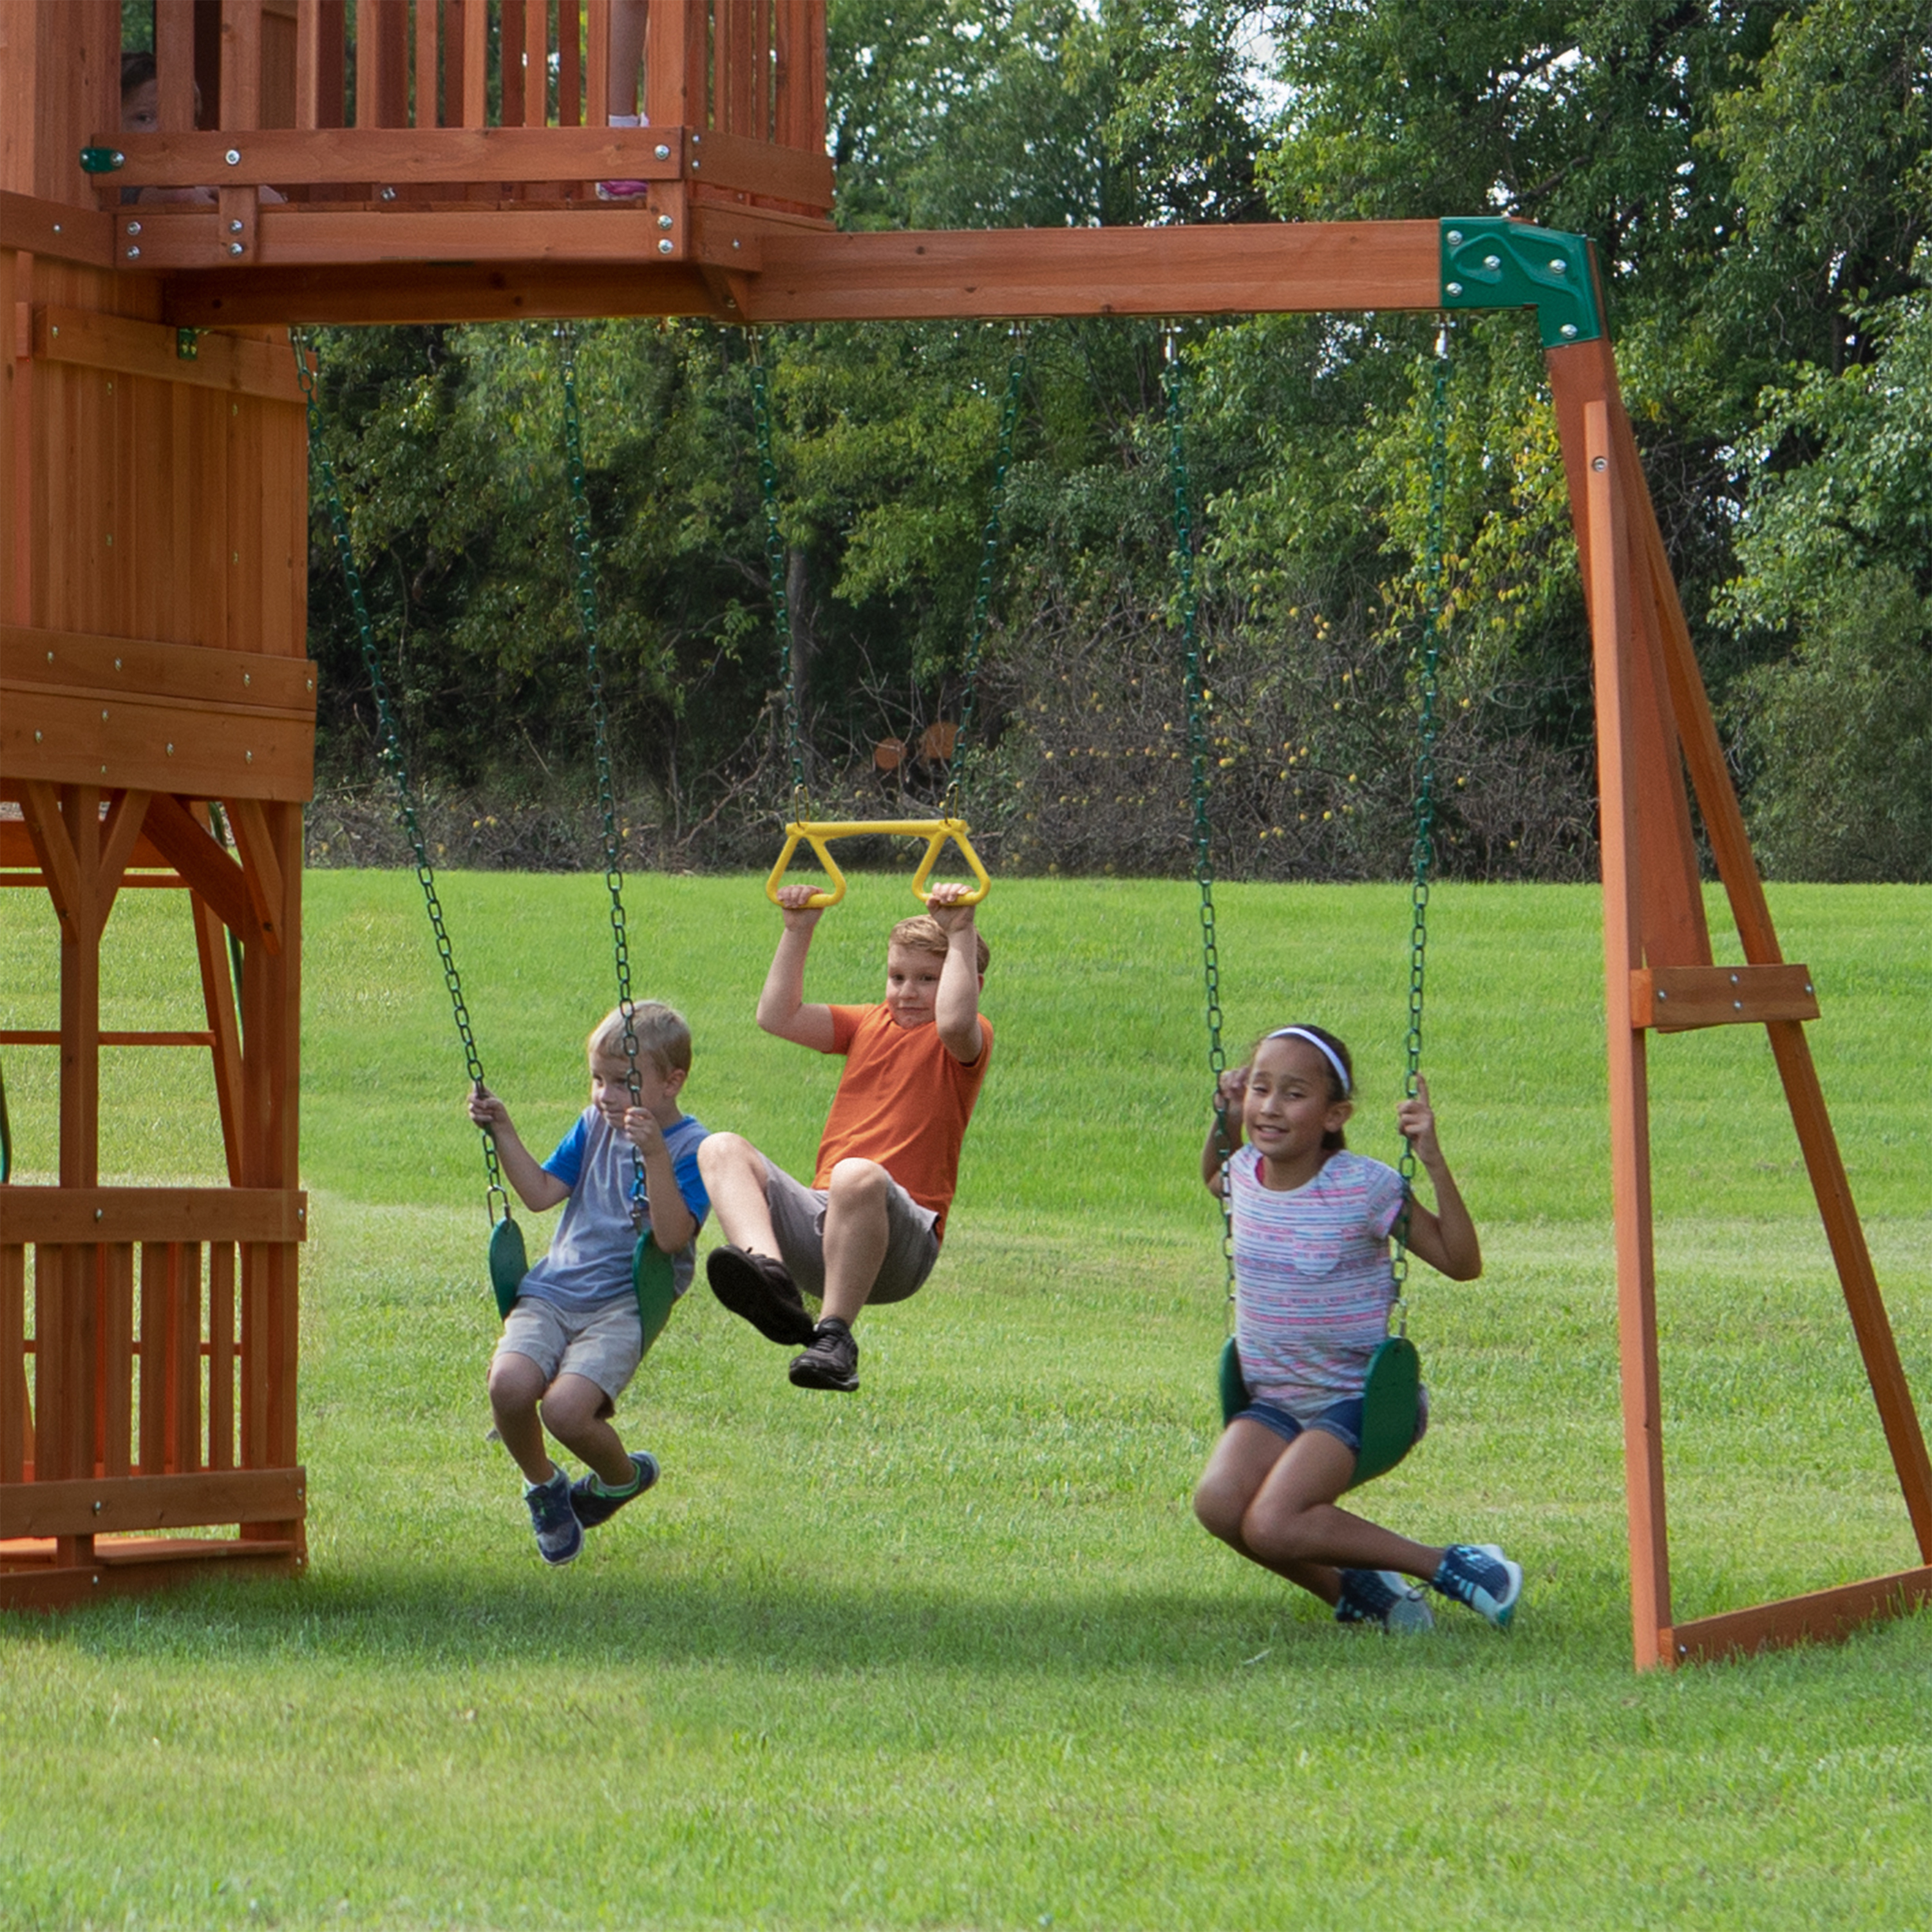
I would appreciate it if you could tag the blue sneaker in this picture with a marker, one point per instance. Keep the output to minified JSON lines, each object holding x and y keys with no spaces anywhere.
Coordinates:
{"x":559,"y":1534}
{"x":1384,"y":1597}
{"x":1480,"y":1575}
{"x":593,"y":1504}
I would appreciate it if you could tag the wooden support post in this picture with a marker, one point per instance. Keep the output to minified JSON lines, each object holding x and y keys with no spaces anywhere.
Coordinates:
{"x":174,"y":64}
{"x":424,"y":98}
{"x":241,"y":64}
{"x":1612,"y":632}
{"x":597,"y":64}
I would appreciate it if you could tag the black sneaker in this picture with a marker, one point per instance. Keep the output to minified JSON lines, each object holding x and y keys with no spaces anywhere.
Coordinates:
{"x":832,"y":1362}
{"x":758,"y":1287}
{"x":559,"y":1534}
{"x":592,"y":1505}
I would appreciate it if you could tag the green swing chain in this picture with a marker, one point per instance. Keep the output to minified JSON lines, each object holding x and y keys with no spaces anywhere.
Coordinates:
{"x":775,"y":566}
{"x":586,"y":592}
{"x":1199,"y":769}
{"x":392,"y":760}
{"x":989,"y":557}
{"x":1422,"y":853}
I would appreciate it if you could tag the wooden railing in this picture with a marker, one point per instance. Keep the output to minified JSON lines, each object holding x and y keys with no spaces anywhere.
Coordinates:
{"x":412,"y":108}
{"x":147,"y":1382}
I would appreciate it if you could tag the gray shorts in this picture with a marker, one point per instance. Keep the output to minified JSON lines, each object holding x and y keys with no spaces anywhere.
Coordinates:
{"x":603,"y":1346}
{"x":798,"y":1219}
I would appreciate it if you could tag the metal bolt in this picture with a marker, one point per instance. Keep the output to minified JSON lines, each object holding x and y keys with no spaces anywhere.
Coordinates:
{"x":57,"y":228}
{"x":1557,"y":265}
{"x":248,"y":757}
{"x":36,"y":737}
{"x":663,"y":248}
{"x":104,"y":717}
{"x":103,"y":771}
{"x":1661,"y":994}
{"x":117,"y":663}
{"x":120,"y":159}
{"x":134,"y":254}
{"x":133,"y":228}
{"x":171,"y":751}
{"x":1493,"y":261}
{"x":1807,"y":985}
{"x":1737,"y":1006}
{"x":1600,"y":463}
{"x":389,"y":194}
{"x":246,"y":679}
{"x":1734,"y":979}
{"x":236,"y":248}
{"x":100,"y":1213}
{"x":235,"y":228}
{"x":662,"y":152}
{"x":1455,"y":238}
{"x":1568,"y":332}
{"x":694,"y":165}
{"x":736,"y":243}
{"x":1455,"y":288}
{"x":663,"y":221}
{"x":234,"y":157}
{"x":97,"y":1505}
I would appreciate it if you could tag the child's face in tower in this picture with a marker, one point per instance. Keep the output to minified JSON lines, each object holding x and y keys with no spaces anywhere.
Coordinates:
{"x":912,"y":984}
{"x":141,"y":109}
{"x":1290,"y":1103}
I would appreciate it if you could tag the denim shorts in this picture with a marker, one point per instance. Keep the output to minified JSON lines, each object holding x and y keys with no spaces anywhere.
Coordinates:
{"x":1341,"y":1420}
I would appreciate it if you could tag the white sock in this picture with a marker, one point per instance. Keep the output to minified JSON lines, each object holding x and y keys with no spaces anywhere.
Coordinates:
{"x":627,"y":121}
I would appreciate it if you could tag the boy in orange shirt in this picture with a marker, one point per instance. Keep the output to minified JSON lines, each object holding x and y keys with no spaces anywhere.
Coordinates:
{"x":869,"y":1227}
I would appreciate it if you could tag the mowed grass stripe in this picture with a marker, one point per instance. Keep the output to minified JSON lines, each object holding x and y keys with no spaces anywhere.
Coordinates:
{"x":952,"y":1653}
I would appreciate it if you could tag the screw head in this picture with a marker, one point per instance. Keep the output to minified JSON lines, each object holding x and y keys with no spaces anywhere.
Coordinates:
{"x":1600,"y":463}
{"x":736,"y":243}
{"x":120,"y":159}
{"x":133,"y":228}
{"x":233,"y":157}
{"x":1455,"y":238}
{"x":134,"y":254}
{"x":1558,"y":266}
{"x":1455,"y":288}
{"x":662,"y":152}
{"x":1493,"y":261}
{"x":389,"y":194}
{"x":663,"y":248}
{"x":235,"y":228}
{"x":171,"y":751}
{"x":247,"y":758}
{"x":663,"y":221}
{"x":236,"y":248}
{"x":1568,"y":332}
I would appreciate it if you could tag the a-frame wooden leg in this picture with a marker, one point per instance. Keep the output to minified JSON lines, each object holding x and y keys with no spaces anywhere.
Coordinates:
{"x":1612,"y":629}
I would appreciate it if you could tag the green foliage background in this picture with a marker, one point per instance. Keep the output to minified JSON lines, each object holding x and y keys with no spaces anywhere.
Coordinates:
{"x":1755,"y":179}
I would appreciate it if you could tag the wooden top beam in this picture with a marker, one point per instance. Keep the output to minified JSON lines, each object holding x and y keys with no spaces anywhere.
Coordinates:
{"x":1239,"y":269}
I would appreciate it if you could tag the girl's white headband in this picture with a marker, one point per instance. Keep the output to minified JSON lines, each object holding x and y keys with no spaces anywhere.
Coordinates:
{"x":1328,"y":1053}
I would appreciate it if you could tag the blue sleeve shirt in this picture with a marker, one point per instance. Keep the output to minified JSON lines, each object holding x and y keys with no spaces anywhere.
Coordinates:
{"x":588,"y":1263}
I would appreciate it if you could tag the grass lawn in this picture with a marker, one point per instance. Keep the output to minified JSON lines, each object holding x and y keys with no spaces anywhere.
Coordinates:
{"x":952,"y":1652}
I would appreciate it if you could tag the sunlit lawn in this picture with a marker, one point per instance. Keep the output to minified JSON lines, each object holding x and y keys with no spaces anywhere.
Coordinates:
{"x":951,"y":1652}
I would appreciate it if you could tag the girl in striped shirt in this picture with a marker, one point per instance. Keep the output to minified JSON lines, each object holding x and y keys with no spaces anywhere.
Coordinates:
{"x":1313,"y":1288}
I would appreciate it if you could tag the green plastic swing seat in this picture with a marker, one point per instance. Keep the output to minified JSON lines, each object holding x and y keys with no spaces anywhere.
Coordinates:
{"x":509,"y":1262}
{"x":1389,"y":1399}
{"x":652,"y":1279}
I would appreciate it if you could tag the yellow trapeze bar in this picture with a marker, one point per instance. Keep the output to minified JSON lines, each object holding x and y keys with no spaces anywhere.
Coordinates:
{"x":819,"y":834}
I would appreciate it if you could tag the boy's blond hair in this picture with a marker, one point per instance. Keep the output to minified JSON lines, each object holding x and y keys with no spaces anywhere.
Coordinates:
{"x":662,"y":1037}
{"x":924,"y":934}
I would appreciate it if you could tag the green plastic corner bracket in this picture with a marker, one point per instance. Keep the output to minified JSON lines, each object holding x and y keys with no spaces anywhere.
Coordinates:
{"x":102,"y":160}
{"x":1491,"y":263}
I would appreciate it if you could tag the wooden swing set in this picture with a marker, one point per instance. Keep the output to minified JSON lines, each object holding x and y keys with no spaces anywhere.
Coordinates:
{"x":157,"y":708}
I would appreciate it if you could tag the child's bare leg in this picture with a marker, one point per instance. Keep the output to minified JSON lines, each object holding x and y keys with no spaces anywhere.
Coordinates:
{"x":855,"y":1235}
{"x":627,"y":51}
{"x":1240,"y":1464}
{"x":516,"y":1387}
{"x":734,"y":1176}
{"x":1293,"y":1518}
{"x":570,"y":1407}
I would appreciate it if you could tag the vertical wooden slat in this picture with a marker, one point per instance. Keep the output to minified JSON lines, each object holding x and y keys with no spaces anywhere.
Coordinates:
{"x":117,"y":1357}
{"x":570,"y":63}
{"x":52,"y":1396}
{"x":14,"y":1409}
{"x":536,"y":63}
{"x":368,"y":63}
{"x":241,"y":64}
{"x":1612,"y":630}
{"x":320,"y":54}
{"x":476,"y":63}
{"x":154,"y":1351}
{"x":597,"y":58}
{"x":221,"y":1355}
{"x":677,"y":63}
{"x":424,"y":102}
{"x":184,"y":1363}
{"x":254,"y":1358}
{"x":811,"y":108}
{"x":174,"y":64}
{"x":510,"y":63}
{"x":792,"y":25}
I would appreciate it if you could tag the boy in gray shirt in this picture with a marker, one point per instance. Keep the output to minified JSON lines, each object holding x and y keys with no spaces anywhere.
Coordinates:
{"x":572,"y":1339}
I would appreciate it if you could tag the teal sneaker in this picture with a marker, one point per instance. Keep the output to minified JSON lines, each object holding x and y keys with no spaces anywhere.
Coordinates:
{"x":593,"y":1505}
{"x":1384,"y":1597}
{"x":1480,"y":1575}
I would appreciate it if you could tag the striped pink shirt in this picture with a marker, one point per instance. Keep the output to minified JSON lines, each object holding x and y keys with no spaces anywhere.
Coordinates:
{"x":1313,"y":1282}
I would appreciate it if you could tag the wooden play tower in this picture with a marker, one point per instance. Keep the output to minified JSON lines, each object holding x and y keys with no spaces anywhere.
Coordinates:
{"x":157,"y":707}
